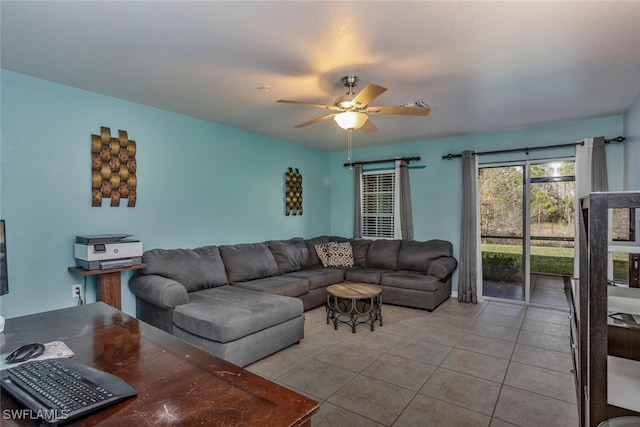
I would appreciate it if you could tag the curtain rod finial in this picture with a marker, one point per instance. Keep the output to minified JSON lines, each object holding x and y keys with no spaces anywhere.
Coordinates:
{"x":618,"y":139}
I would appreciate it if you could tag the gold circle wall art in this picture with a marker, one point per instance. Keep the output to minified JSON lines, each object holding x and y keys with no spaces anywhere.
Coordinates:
{"x":113,"y":168}
{"x":293,"y":192}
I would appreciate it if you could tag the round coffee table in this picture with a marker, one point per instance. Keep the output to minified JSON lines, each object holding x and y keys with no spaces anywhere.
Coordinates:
{"x":353,"y":304}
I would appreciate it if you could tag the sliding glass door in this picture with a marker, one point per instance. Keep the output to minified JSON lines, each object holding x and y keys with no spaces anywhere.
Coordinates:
{"x":527,"y":230}
{"x":502,"y":202}
{"x":552,"y":224}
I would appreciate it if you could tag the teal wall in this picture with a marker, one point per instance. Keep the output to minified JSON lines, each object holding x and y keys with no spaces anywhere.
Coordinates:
{"x":199,"y":183}
{"x":436,"y":188}
{"x":632,"y":147}
{"x":202,"y":183}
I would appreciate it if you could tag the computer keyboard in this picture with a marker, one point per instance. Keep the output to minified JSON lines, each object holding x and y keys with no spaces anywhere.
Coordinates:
{"x":59,"y":390}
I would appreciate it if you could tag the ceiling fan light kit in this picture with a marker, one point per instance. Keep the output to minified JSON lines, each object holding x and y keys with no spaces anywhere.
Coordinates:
{"x":350,"y":120}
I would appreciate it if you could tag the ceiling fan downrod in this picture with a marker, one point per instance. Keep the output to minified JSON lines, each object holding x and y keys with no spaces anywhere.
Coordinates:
{"x":350,"y":82}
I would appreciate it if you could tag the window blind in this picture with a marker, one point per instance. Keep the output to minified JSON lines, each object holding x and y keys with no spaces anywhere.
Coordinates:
{"x":378,"y":204}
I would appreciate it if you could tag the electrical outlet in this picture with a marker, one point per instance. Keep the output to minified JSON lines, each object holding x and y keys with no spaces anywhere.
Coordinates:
{"x":76,"y":291}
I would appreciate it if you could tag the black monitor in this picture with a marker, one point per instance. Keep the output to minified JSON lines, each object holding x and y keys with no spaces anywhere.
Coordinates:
{"x":4,"y":278}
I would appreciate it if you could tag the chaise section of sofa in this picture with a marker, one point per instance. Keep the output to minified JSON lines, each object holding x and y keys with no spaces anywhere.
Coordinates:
{"x":186,"y":292}
{"x":238,"y":325}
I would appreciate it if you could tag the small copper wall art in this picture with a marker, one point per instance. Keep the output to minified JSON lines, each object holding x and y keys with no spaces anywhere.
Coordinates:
{"x":113,"y":168}
{"x":293,"y":192}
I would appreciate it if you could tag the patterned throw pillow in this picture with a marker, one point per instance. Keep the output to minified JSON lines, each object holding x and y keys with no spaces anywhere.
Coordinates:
{"x":322,"y":249}
{"x":334,"y":254}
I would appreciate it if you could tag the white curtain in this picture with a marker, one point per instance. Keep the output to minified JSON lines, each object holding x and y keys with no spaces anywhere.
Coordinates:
{"x":470,"y":260}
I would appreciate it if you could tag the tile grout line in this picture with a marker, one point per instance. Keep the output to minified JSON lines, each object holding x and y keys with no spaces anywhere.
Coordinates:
{"x":493,"y":412}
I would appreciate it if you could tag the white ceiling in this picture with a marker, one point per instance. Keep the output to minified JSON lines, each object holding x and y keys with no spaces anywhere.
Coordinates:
{"x":481,"y":65}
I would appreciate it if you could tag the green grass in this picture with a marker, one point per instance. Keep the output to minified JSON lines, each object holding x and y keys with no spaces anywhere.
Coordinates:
{"x":555,"y":260}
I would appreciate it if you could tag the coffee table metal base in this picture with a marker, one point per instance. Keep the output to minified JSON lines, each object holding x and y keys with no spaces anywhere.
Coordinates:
{"x":354,"y":311}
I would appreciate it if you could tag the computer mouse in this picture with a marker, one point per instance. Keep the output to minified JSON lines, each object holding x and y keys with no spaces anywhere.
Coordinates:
{"x":26,"y":352}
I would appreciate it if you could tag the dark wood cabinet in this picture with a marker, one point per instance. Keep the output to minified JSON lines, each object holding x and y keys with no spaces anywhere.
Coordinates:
{"x":605,"y":338}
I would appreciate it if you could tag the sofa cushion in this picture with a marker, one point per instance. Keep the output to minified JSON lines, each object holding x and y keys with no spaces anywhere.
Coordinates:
{"x":279,"y":285}
{"x":410,"y":280}
{"x":248,"y":261}
{"x":335,"y":254}
{"x":320,"y":277}
{"x":417,"y":256}
{"x":313,"y":260}
{"x":228,"y":313}
{"x":196,"y":269}
{"x":290,"y":255}
{"x":365,"y":275}
{"x":360,"y":248}
{"x":383,"y":254}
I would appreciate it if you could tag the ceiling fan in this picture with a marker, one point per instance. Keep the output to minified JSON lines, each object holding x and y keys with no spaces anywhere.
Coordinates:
{"x":351,"y":110}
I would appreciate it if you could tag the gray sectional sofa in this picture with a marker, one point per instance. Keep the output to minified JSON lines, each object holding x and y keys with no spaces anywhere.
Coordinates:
{"x":243,"y":302}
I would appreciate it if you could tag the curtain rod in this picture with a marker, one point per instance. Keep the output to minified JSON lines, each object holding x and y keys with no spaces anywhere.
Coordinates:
{"x":370,"y":162}
{"x":527,"y":149}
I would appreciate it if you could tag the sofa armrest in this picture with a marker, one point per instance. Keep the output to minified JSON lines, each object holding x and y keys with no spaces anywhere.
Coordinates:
{"x":159,"y":291}
{"x":442,"y":267}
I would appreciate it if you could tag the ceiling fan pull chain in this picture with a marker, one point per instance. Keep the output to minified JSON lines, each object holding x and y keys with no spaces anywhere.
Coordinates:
{"x":349,"y":148}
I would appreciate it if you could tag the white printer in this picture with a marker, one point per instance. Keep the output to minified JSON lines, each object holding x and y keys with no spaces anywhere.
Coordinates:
{"x":105,"y":251}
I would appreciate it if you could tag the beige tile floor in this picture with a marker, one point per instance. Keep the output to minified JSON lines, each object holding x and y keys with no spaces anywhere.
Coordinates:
{"x":490,"y":364}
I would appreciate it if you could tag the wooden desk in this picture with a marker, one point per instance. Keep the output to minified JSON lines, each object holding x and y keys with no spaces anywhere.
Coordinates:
{"x":108,"y":286}
{"x":177,"y":383}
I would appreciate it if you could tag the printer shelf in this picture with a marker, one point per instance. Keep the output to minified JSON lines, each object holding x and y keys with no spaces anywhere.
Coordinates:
{"x":108,"y":286}
{"x":84,"y":272}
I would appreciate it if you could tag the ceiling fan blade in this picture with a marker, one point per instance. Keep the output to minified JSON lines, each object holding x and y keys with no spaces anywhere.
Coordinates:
{"x":409,"y":111}
{"x":368,"y":94}
{"x":319,"y":119}
{"x":369,"y":127}
{"x":310,"y":104}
